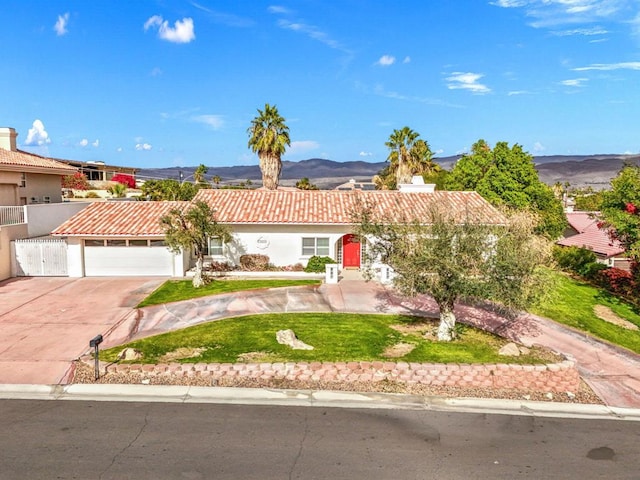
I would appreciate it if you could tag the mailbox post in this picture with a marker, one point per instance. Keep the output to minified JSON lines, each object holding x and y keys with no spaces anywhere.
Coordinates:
{"x":93,"y":343}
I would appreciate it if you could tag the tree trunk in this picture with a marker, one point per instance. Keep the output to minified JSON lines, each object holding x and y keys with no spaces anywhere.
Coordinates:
{"x":446,"y":329}
{"x":270,"y":165}
{"x":403,"y":174}
{"x":198,"y":280}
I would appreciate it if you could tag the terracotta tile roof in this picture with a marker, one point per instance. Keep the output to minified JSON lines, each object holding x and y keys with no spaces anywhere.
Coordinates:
{"x":118,"y":219}
{"x":330,"y":207}
{"x":589,"y":236}
{"x":29,"y":161}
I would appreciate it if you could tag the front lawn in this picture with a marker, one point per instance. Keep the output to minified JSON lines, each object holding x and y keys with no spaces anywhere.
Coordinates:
{"x":574,"y":303}
{"x":177,"y":290}
{"x":334,"y":336}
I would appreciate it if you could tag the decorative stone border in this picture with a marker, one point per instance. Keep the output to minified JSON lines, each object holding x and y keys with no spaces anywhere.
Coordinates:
{"x":555,"y":377}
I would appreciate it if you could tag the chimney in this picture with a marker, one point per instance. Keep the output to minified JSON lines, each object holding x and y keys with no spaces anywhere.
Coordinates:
{"x":8,"y":138}
{"x":417,"y":185}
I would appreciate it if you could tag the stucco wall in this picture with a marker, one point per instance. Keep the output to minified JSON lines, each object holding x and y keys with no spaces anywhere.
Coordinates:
{"x":282,"y":244}
{"x":42,"y":185}
{"x":42,"y":219}
{"x":8,"y":233}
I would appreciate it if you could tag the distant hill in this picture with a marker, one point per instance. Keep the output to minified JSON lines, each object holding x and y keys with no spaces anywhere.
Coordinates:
{"x":578,"y":170}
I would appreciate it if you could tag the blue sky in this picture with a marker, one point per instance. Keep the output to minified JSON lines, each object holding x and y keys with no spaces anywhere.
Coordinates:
{"x":159,"y":83}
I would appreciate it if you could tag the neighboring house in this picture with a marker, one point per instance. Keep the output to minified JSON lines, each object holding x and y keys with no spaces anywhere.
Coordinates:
{"x":583,"y":232}
{"x":356,"y":185}
{"x":289,"y":226}
{"x":97,"y":171}
{"x":30,"y":196}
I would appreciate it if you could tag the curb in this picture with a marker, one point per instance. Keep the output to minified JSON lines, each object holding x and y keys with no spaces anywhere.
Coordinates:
{"x":310,"y":398}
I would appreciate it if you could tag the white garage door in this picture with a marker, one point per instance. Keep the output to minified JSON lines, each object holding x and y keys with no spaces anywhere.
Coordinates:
{"x":126,"y":258}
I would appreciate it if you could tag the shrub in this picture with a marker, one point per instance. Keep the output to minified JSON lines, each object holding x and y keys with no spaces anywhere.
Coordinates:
{"x":92,"y":195}
{"x":616,"y":280}
{"x":77,"y":181}
{"x":125,"y":179}
{"x":573,"y":259}
{"x":254,"y":262}
{"x":221,"y":267}
{"x":317,"y":264}
{"x":591,"y":270}
{"x":298,"y":267}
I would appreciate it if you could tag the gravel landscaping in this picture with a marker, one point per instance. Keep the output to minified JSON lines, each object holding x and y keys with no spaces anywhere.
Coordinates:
{"x":84,"y":373}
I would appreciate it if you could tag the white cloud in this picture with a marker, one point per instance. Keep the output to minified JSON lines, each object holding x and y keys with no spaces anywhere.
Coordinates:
{"x":610,"y":66}
{"x":312,"y":32}
{"x":302,"y":146}
{"x":119,"y":149}
{"x":467,"y":81}
{"x":143,"y":146}
{"x":156,"y":72}
{"x":95,"y":143}
{"x":574,"y":82}
{"x":365,"y":154}
{"x":518,"y":92}
{"x":83,"y":143}
{"x":538,"y":147}
{"x":37,"y":135}
{"x":386,"y":60}
{"x":278,"y":9}
{"x":61,"y":24}
{"x":215,"y":122}
{"x":407,"y":59}
{"x":581,"y":31}
{"x":181,"y":32}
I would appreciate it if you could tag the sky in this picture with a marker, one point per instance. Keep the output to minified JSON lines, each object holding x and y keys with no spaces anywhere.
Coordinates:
{"x":163,"y":83}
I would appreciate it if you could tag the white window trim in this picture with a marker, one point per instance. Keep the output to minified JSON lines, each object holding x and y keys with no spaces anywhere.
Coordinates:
{"x":316,"y":247}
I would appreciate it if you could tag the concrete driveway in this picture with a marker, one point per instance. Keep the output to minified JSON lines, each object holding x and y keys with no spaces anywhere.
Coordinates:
{"x":46,"y":322}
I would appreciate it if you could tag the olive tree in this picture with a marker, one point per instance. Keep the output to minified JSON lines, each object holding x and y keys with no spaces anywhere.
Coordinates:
{"x":455,"y":259}
{"x":190,"y":229}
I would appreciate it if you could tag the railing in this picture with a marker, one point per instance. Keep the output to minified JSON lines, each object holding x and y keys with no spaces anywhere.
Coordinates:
{"x":12,"y":215}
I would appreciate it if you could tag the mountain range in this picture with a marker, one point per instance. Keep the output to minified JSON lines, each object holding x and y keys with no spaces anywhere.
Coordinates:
{"x":579,"y":171}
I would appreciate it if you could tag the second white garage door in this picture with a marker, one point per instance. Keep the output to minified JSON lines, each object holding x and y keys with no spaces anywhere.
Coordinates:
{"x":126,"y":258}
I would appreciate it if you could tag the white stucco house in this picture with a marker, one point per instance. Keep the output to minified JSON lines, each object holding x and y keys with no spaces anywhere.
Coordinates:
{"x":289,"y":226}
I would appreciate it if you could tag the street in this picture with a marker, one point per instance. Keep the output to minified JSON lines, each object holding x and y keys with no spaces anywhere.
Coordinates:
{"x":130,"y":440}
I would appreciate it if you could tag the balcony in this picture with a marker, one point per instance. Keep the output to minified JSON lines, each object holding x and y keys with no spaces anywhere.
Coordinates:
{"x":14,"y":215}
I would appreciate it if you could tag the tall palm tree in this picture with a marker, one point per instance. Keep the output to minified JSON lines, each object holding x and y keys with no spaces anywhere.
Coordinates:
{"x":216,"y":179}
{"x":269,"y":137}
{"x":401,"y":143}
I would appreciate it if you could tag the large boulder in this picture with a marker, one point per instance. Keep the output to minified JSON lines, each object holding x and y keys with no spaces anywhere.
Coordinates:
{"x":288,"y":337}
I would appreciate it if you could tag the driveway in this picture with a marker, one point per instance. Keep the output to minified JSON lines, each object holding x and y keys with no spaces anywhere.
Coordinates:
{"x":46,"y":322}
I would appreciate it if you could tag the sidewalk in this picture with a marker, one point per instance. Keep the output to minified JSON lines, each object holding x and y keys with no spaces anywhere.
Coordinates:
{"x":613,"y":373}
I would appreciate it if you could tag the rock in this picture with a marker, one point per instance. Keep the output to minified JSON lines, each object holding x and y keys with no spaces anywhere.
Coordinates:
{"x":524,"y":350}
{"x":571,"y":395}
{"x":288,"y":337}
{"x":509,"y":350}
{"x":549,"y":396}
{"x":146,"y":381}
{"x":130,"y":354}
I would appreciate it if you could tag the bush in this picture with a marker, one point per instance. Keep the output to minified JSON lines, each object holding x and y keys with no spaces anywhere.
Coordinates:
{"x":254,"y":262}
{"x":77,"y":181}
{"x":317,"y":264}
{"x":92,"y":195}
{"x":573,"y":259}
{"x":128,"y":180}
{"x":616,"y":280}
{"x":220,"y":267}
{"x":590,"y":270}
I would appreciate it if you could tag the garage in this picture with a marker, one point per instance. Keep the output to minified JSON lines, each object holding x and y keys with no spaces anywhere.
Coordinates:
{"x":127,"y":257}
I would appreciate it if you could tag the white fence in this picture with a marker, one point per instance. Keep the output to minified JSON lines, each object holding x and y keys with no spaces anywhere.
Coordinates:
{"x":39,"y":257}
{"x":12,"y":215}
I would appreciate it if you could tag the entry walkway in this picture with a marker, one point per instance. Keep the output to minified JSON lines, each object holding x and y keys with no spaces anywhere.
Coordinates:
{"x":613,"y":373}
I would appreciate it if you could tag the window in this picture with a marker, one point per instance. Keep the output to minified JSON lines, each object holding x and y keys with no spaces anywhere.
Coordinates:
{"x":315,"y":246}
{"x":138,"y":243}
{"x":23,"y":180}
{"x":216,"y":246}
{"x":94,"y":243}
{"x":46,"y":199}
{"x":116,"y":243}
{"x":157,"y":243}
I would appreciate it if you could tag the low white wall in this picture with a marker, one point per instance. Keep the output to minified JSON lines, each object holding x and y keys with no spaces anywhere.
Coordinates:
{"x":42,"y":219}
{"x":8,"y":233}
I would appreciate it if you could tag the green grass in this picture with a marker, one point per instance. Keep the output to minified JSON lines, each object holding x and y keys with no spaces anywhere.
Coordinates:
{"x":177,"y":290}
{"x":572,"y":304}
{"x":334,"y":336}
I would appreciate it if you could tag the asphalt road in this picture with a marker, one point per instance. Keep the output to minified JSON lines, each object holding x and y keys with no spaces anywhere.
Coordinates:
{"x":111,"y":440}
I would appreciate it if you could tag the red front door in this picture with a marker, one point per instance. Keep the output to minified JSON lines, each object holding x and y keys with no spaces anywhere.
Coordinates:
{"x":350,"y":251}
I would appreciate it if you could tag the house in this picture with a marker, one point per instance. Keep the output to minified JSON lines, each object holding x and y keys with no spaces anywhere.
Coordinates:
{"x":583,"y":232}
{"x":97,"y":171}
{"x":26,"y":178}
{"x":30,"y":196}
{"x":289,"y":226}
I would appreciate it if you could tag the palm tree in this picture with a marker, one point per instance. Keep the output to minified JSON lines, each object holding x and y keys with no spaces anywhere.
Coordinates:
{"x":400,"y":143}
{"x":199,"y":176}
{"x":118,"y":190}
{"x":268,"y":137}
{"x":216,"y":179}
{"x":305,"y":184}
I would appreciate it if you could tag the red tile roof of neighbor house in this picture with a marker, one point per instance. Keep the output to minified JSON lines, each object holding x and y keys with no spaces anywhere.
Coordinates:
{"x":589,"y":236}
{"x":24,"y":161}
{"x":118,"y":219}
{"x":321,"y":207}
